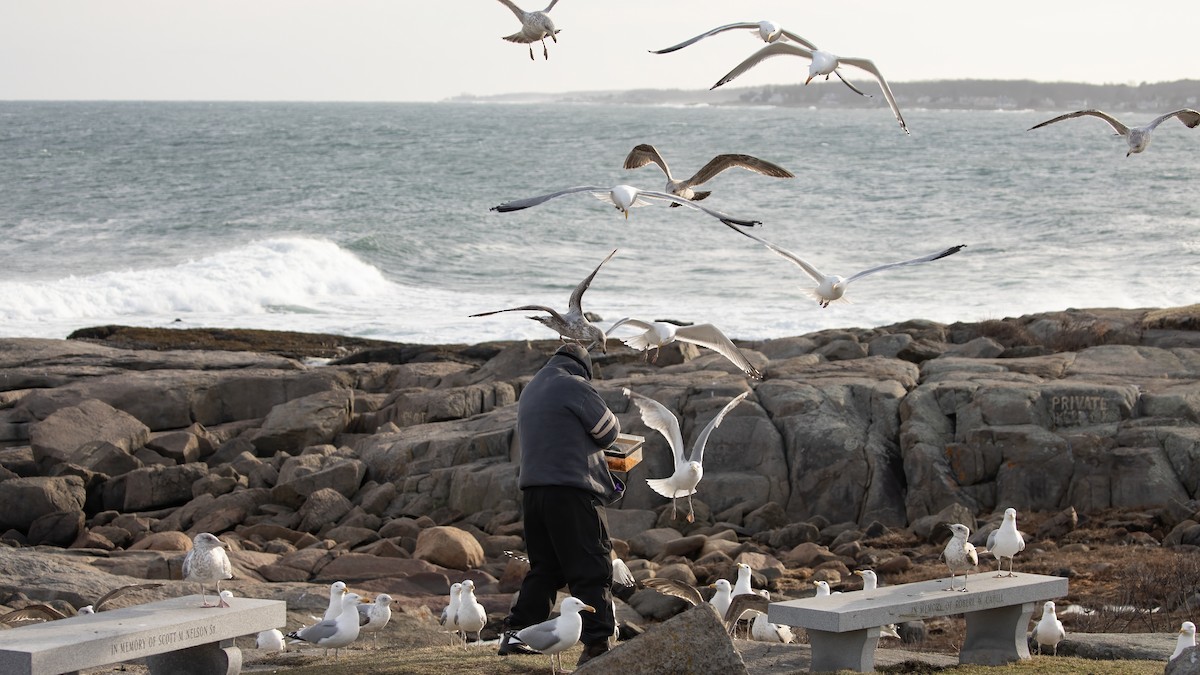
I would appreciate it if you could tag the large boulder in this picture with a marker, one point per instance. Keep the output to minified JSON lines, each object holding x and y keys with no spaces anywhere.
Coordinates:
{"x":25,"y":500}
{"x":301,"y":476}
{"x":57,"y":437}
{"x":155,"y":487}
{"x":310,"y":420}
{"x":449,"y":547}
{"x":692,"y":643}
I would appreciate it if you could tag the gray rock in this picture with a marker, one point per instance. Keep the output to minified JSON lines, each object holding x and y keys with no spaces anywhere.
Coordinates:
{"x":651,"y":604}
{"x":693,"y":643}
{"x":104,"y":457}
{"x":769,"y":516}
{"x":1118,"y":646}
{"x":60,"y":528}
{"x":651,"y":543}
{"x":27,"y":499}
{"x":301,"y":476}
{"x":309,"y":420}
{"x":155,"y":487}
{"x":322,"y":508}
{"x":841,"y":350}
{"x":60,"y":435}
{"x":626,"y":523}
{"x":979,"y":348}
{"x":1187,"y":663}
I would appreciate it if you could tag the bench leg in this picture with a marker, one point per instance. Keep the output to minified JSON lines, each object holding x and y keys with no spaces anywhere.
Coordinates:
{"x":852,"y":650}
{"x":215,"y":658}
{"x":997,"y":636}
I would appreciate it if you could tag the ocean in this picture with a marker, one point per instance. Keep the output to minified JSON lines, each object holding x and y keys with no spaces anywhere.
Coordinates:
{"x":373,"y":220}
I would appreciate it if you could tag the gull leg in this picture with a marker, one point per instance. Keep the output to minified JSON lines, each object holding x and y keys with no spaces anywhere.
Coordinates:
{"x":691,"y":517}
{"x":654,"y":359}
{"x":672,"y":508}
{"x":531,"y":53}
{"x":204,"y":598}
{"x":999,"y":567}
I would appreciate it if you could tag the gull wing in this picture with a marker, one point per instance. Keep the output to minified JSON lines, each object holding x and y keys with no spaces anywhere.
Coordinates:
{"x":518,"y":204}
{"x":808,"y":269}
{"x":319,"y":631}
{"x":797,"y":39}
{"x":743,"y":603}
{"x":666,"y":196}
{"x":1186,"y":115}
{"x":524,"y":308}
{"x":1112,"y":121}
{"x":118,"y":592}
{"x":869,"y":66}
{"x":550,"y":6}
{"x":517,"y":10}
{"x":722,"y":162}
{"x":32,"y":613}
{"x":364,"y":614}
{"x":991,"y":539}
{"x":656,"y":416}
{"x":677,"y":589}
{"x":621,"y":573}
{"x":576,"y":305}
{"x":702,"y":439}
{"x":642,"y":155}
{"x":915,"y":261}
{"x":848,"y":83}
{"x":708,"y":335}
{"x":540,"y":636}
{"x":628,"y":321}
{"x":718,"y":29}
{"x":773,"y":49}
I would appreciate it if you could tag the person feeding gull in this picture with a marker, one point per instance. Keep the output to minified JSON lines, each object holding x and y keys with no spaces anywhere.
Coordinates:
{"x":821,"y":63}
{"x":831,"y":287}
{"x":960,"y":554}
{"x":645,"y":153}
{"x":207,"y":562}
{"x":657,"y":334}
{"x":768,"y":31}
{"x":688,"y":470}
{"x":1138,"y":137}
{"x":1006,"y":542}
{"x":535,"y":27}
{"x":574,"y":324}
{"x":1049,"y":631}
{"x":623,"y":197}
{"x":556,"y":635}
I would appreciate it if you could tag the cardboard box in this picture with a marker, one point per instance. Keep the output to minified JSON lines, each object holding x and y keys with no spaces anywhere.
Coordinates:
{"x":625,"y":453}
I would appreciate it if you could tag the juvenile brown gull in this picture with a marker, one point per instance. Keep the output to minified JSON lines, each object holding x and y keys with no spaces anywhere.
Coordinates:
{"x":1138,"y":137}
{"x":822,"y":63}
{"x":645,"y":153}
{"x":623,"y":197}
{"x":207,"y":562}
{"x":535,"y":26}
{"x":574,"y":325}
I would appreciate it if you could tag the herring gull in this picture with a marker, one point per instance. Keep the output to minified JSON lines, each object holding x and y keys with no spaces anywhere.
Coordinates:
{"x":1138,"y":137}
{"x":768,"y":31}
{"x":1006,"y":542}
{"x":333,"y":633}
{"x":270,"y":640}
{"x":645,"y":154}
{"x":1049,"y":631}
{"x":960,"y":554}
{"x":831,"y":287}
{"x":574,"y":325}
{"x":472,"y":617}
{"x":207,"y":562}
{"x":688,"y":470}
{"x":1187,"y":638}
{"x":623,"y":197}
{"x":556,"y":635}
{"x":535,"y":27}
{"x":374,"y":616}
{"x":822,"y":63}
{"x":337,"y":591}
{"x":449,"y":617}
{"x":657,"y":334}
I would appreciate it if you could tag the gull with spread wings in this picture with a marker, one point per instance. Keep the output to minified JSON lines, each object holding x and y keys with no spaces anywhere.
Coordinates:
{"x":688,"y":470}
{"x":1138,"y":137}
{"x":535,"y":26}
{"x":645,"y":153}
{"x":623,"y":197}
{"x":831,"y":287}
{"x":657,"y":334}
{"x":822,"y":63}
{"x":768,"y":31}
{"x":573,"y":325}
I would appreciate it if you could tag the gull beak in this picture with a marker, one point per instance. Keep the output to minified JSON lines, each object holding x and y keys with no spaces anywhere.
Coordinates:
{"x":714,"y":586}
{"x":810,"y":77}
{"x":858,"y":572}
{"x":627,"y":213}
{"x":588,"y":608}
{"x":816,"y":584}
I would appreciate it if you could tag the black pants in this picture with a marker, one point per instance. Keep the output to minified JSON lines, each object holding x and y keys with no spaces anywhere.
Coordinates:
{"x":566,"y":535}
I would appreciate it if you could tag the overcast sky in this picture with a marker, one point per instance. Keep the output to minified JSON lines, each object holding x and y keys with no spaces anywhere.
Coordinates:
{"x":428,"y":50}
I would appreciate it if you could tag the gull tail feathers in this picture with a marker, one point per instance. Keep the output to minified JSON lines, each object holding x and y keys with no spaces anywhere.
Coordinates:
{"x":639,"y":342}
{"x":663,"y":487}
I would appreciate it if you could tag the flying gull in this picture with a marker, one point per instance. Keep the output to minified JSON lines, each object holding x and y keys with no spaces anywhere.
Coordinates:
{"x":1187,"y":638}
{"x":645,"y":153}
{"x":1049,"y":631}
{"x":207,"y":562}
{"x":573,"y":325}
{"x":558,"y":634}
{"x":831,"y":287}
{"x":535,"y":26}
{"x":960,"y":554}
{"x":333,"y":633}
{"x":656,"y":334}
{"x":1138,"y":137}
{"x":374,"y":616}
{"x":1006,"y":542}
{"x":768,"y":31}
{"x":623,"y":197}
{"x":688,"y":470}
{"x":42,"y":612}
{"x":822,"y":63}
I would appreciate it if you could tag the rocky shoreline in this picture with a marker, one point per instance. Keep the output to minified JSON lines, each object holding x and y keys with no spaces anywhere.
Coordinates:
{"x":392,"y":467}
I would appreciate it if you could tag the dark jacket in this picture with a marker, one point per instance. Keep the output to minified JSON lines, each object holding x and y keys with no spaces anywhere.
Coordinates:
{"x":564,"y":426}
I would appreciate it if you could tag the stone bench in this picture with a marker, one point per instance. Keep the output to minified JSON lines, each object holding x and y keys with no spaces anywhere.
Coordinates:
{"x":175,"y":636}
{"x":843,"y":629}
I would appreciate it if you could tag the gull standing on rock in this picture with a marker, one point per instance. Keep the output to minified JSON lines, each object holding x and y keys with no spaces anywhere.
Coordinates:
{"x":558,"y":634}
{"x":822,"y":63}
{"x":768,"y":31}
{"x":333,"y":633}
{"x":1005,"y":542}
{"x":535,"y":27}
{"x":623,"y":197}
{"x":960,"y":554}
{"x":1049,"y":631}
{"x":472,"y":617}
{"x":831,"y":287}
{"x":574,"y":325}
{"x":207,"y":562}
{"x":1138,"y":137}
{"x":688,"y":470}
{"x":645,"y":153}
{"x":1187,"y":638}
{"x":657,"y":334}
{"x":373,"y":617}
